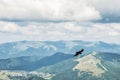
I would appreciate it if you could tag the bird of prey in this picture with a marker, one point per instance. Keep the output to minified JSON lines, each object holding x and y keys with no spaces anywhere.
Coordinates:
{"x":79,"y":52}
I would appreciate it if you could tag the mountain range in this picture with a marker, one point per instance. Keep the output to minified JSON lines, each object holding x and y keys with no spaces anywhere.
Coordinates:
{"x":47,"y":48}
{"x":92,"y":66}
{"x":55,"y":60}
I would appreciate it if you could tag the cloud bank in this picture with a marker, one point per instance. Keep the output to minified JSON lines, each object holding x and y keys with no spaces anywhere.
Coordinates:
{"x":109,"y":32}
{"x":68,"y":19}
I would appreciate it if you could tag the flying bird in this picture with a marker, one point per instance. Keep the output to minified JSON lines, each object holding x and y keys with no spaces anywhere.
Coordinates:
{"x":79,"y":52}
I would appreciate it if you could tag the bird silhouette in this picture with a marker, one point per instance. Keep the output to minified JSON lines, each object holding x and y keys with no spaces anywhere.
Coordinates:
{"x":79,"y":52}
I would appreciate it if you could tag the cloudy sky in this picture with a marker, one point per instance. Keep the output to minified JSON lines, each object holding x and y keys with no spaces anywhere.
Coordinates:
{"x":38,"y":20}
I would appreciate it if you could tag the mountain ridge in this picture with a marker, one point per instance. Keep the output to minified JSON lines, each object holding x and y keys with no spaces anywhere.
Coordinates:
{"x":92,"y":66}
{"x":30,"y":63}
{"x":47,"y":48}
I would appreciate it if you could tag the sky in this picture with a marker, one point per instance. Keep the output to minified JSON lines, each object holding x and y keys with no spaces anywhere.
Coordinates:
{"x":51,"y":20}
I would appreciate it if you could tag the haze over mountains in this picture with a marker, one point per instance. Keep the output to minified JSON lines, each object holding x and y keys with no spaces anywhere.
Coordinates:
{"x":47,"y":48}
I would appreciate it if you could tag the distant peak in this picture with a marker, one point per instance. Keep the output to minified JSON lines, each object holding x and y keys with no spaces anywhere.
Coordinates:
{"x":94,"y":53}
{"x":93,"y":63}
{"x":59,"y":53}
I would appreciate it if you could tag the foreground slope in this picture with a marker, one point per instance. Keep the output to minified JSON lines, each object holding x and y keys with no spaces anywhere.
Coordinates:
{"x":30,"y":63}
{"x":94,"y":66}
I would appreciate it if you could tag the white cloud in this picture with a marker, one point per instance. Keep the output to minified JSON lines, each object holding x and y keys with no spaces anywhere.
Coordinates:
{"x":63,"y":31}
{"x":58,"y":10}
{"x":9,"y":27}
{"x":69,"y":13}
{"x":61,"y":10}
{"x":114,"y":33}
